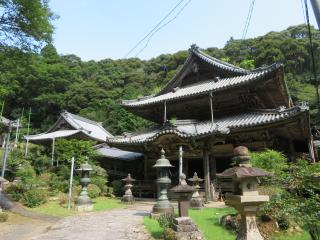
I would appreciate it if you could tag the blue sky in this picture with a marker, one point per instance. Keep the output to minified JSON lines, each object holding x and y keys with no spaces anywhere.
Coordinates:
{"x":99,"y":29}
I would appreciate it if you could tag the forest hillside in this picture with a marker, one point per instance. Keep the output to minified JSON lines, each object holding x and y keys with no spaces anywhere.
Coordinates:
{"x":49,"y":82}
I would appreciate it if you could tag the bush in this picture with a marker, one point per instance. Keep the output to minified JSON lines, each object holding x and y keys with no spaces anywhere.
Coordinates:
{"x":94,"y":191}
{"x":34,"y":197}
{"x":269,"y":160}
{"x":3,"y":217}
{"x":58,"y":184}
{"x":15,"y":192}
{"x":117,"y":187}
{"x":169,"y":234}
{"x":165,"y":220}
{"x":99,"y":181}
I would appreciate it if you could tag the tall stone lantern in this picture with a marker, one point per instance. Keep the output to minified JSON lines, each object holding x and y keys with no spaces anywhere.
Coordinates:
{"x":163,"y":181}
{"x":84,"y":202}
{"x":128,"y":197}
{"x":245,"y":197}
{"x":196,"y":201}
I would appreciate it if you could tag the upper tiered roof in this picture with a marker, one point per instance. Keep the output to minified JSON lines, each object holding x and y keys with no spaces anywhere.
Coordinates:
{"x":233,"y":89}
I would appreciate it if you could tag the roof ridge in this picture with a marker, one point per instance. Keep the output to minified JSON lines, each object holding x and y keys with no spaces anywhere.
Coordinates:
{"x":195,"y":49}
{"x":83,"y":119}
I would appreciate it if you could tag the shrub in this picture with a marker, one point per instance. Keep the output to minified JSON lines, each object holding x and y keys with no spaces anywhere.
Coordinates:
{"x":269,"y":160}
{"x":3,"y":217}
{"x":94,"y":191}
{"x":169,"y":234}
{"x":34,"y":197}
{"x":15,"y":192}
{"x":99,"y":181}
{"x":117,"y":187}
{"x":165,"y":220}
{"x":58,"y":184}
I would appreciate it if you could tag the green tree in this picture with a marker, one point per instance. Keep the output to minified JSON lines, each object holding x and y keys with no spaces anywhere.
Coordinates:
{"x":25,"y":24}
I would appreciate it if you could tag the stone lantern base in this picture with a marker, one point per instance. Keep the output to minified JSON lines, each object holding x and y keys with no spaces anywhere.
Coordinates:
{"x":84,"y":204}
{"x":196,"y":203}
{"x":128,"y":199}
{"x":186,"y":229}
{"x":157,"y":211}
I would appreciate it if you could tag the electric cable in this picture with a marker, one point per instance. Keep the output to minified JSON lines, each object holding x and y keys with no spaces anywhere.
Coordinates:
{"x":248,"y":20}
{"x":162,"y":26}
{"x":154,"y":28}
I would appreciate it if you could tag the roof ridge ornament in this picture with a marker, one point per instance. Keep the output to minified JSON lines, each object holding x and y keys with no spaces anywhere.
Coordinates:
{"x":303,"y":105}
{"x":194,"y":47}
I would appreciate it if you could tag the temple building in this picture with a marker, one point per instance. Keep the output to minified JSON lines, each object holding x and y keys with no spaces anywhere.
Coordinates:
{"x":208,"y":108}
{"x":72,"y":126}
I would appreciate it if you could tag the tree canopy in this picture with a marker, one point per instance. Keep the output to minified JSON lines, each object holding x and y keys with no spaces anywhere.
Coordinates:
{"x":25,"y":24}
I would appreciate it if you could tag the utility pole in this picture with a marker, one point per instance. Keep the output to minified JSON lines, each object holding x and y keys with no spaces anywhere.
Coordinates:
{"x":316,"y":9}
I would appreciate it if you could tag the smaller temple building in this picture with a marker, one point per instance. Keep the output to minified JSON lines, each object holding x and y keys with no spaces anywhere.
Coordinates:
{"x":210,"y":107}
{"x":71,"y":126}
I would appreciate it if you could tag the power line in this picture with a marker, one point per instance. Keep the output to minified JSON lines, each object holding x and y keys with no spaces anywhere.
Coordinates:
{"x":303,"y":11}
{"x":154,"y":28}
{"x":248,"y":19}
{"x":313,"y":60}
{"x":162,"y":26}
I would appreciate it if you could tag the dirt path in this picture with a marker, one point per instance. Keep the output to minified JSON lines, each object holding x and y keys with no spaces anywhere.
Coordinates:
{"x":21,"y":228}
{"x":119,"y":224}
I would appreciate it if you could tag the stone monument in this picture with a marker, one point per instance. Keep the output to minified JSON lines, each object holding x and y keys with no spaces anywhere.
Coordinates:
{"x":245,"y":197}
{"x":162,"y":206}
{"x":84,"y":202}
{"x":196,"y":201}
{"x":128,"y":197}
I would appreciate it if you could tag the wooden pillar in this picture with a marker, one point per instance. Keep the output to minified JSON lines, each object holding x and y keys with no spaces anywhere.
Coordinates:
{"x":311,"y":150}
{"x":206,"y":171}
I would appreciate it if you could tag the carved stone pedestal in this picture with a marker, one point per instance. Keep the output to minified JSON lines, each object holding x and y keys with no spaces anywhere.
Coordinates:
{"x":186,"y":229}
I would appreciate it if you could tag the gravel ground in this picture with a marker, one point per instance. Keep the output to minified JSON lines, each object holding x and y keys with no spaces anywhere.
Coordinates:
{"x":114,"y":225}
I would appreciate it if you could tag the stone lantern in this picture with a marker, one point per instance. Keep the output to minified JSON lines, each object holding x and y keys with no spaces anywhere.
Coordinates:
{"x":128,"y":197}
{"x":196,"y":201}
{"x":163,"y":181}
{"x":183,"y":224}
{"x":245,"y":198}
{"x":84,"y":202}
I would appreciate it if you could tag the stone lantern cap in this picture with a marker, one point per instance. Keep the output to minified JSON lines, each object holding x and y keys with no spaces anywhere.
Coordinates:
{"x":128,"y":179}
{"x":195,"y":178}
{"x":85,"y":167}
{"x":162,"y":162}
{"x":183,"y":191}
{"x":244,"y":172}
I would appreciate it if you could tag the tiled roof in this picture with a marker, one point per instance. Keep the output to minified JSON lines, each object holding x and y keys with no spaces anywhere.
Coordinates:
{"x":211,"y":85}
{"x":92,"y":128}
{"x":216,"y":62}
{"x":222,"y":126}
{"x":116,"y":153}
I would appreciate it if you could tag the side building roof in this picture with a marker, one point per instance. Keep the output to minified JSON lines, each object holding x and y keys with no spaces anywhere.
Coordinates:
{"x":77,"y":126}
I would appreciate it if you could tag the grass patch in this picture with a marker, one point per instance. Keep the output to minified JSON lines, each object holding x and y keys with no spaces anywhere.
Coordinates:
{"x":153,"y":227}
{"x":53,"y":208}
{"x":207,"y":220}
{"x":104,"y":203}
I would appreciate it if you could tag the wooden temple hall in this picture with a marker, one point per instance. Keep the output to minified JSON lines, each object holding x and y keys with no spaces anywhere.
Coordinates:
{"x":208,"y":108}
